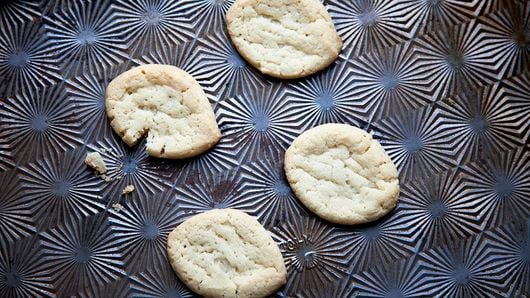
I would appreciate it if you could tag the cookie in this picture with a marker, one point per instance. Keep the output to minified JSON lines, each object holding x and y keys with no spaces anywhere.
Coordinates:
{"x":284,"y":38}
{"x":341,"y":174}
{"x":226,"y":253}
{"x":168,"y":105}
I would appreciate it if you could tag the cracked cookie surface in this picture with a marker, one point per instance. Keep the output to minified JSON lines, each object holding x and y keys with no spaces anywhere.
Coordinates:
{"x":284,"y":38}
{"x":226,"y":253}
{"x":168,"y":105}
{"x":341,"y":174}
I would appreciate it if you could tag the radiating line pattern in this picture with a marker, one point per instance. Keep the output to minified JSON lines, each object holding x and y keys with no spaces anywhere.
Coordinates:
{"x":517,"y":89}
{"x":143,"y":227}
{"x":391,"y":80}
{"x":27,"y":61}
{"x":35,"y":123}
{"x":207,"y":15}
{"x":460,"y":58}
{"x":484,"y":122}
{"x":24,"y":270}
{"x":61,"y":189}
{"x":467,"y":268}
{"x":367,"y":25}
{"x":389,"y":239}
{"x":508,"y":33}
{"x":152,"y":24}
{"x":257,"y":122}
{"x":87,"y":94}
{"x":500,"y":184}
{"x":86,"y":35}
{"x":265,"y":184}
{"x":224,"y":71}
{"x":119,"y":288}
{"x":18,"y":11}
{"x":418,"y":142}
{"x":426,"y":16}
{"x":439,"y":209}
{"x":403,"y":278}
{"x":159,"y":282}
{"x":82,"y":254}
{"x":511,"y":246}
{"x":315,"y":253}
{"x":6,"y":154}
{"x":16,"y":219}
{"x":201,"y":193}
{"x":327,"y":97}
{"x":130,"y":166}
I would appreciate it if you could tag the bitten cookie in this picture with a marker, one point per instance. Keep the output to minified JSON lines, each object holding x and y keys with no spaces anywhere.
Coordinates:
{"x":168,"y":105}
{"x":341,"y":174}
{"x":226,"y":253}
{"x":284,"y":38}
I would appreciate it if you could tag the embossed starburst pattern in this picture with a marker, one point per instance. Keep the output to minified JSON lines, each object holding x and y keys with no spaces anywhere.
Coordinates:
{"x":267,"y":187}
{"x":143,"y":227}
{"x":61,"y":189}
{"x":86,"y":35}
{"x":439,"y":209}
{"x":479,"y":121}
{"x":160,"y":282}
{"x":500,"y":186}
{"x":390,"y":81}
{"x":151,"y":24}
{"x":82,"y":254}
{"x":367,"y":25}
{"x":24,"y":270}
{"x":223,"y":69}
{"x":511,"y":245}
{"x":130,"y":166}
{"x":202,"y":193}
{"x":459,"y":58}
{"x":27,"y":62}
{"x":328,"y":97}
{"x":418,"y":142}
{"x":508,"y":31}
{"x":443,"y":85}
{"x":15,"y":220}
{"x":466,"y":268}
{"x":207,"y":15}
{"x":87,"y":93}
{"x":258,"y":121}
{"x":315,"y":253}
{"x":40,"y":122}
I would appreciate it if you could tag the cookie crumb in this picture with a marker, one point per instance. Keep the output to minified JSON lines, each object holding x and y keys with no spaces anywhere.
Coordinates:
{"x":106,"y":178}
{"x":127,"y":190}
{"x":96,"y":162}
{"x":117,"y":207}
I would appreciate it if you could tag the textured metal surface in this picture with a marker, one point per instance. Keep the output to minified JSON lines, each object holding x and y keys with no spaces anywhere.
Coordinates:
{"x":444,"y":85}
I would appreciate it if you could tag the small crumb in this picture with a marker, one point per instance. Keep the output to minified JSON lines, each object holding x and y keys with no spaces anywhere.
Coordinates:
{"x":106,"y":178}
{"x":117,"y":207}
{"x":127,"y":190}
{"x":96,"y":162}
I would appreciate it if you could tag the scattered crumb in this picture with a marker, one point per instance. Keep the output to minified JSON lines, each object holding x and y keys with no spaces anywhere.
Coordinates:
{"x":127,"y":190}
{"x":117,"y":207}
{"x":106,"y":178}
{"x":95,"y":161}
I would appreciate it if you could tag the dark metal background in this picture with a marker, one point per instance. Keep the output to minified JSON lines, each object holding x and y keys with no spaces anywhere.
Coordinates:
{"x":444,"y":85}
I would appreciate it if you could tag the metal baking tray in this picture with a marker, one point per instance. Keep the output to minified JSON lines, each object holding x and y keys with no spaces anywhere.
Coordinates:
{"x":444,"y":85}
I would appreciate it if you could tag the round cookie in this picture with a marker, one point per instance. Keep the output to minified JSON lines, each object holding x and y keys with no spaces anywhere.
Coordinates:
{"x":341,"y":174}
{"x":226,"y":253}
{"x":284,"y":38}
{"x":168,"y":105}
